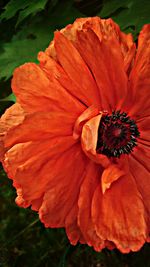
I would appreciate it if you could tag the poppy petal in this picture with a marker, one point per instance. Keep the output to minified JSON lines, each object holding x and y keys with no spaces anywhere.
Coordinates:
{"x":88,"y":187}
{"x":140,"y":78}
{"x":89,"y":139}
{"x":84,"y":117}
{"x":36,"y":92}
{"x":143,"y":147}
{"x":77,"y":143}
{"x":41,"y":126}
{"x":106,"y":63}
{"x":115,"y":215}
{"x":103,"y":28}
{"x":144,"y":160}
{"x":111,"y":174}
{"x":142,"y":177}
{"x":66,"y":187}
{"x":144,"y":129}
{"x":77,"y":70}
{"x":13,"y":116}
{"x":54,"y":71}
{"x":72,"y":229}
{"x":31,"y":164}
{"x":107,"y":29}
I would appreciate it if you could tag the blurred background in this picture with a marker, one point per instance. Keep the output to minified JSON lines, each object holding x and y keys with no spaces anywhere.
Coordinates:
{"x":26,"y":27}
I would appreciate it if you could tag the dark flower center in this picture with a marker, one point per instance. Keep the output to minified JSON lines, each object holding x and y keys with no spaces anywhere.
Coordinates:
{"x":117,"y":134}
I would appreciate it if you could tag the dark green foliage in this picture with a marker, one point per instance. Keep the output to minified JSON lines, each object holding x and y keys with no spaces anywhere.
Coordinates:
{"x":34,"y":34}
{"x":130,"y":15}
{"x":26,"y":27}
{"x":24,"y":7}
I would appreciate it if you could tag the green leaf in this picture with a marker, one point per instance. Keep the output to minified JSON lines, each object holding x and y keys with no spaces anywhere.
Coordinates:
{"x":25,"y":8}
{"x":64,"y":13}
{"x":24,"y":48}
{"x":127,"y":13}
{"x":111,"y":6}
{"x":6,"y":102}
{"x":54,"y":2}
{"x":34,"y":37}
{"x":33,"y":8}
{"x":135,"y":15}
{"x":12,"y":7}
{"x":11,"y":98}
{"x":64,"y":256}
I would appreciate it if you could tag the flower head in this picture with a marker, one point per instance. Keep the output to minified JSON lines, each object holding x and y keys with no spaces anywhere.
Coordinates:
{"x":76,"y":143}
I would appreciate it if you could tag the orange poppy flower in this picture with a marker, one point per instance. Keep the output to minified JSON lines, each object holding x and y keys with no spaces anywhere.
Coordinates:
{"x":76,"y":144}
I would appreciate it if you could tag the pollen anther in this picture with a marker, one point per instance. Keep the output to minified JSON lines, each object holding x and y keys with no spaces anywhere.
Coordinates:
{"x":117,"y":134}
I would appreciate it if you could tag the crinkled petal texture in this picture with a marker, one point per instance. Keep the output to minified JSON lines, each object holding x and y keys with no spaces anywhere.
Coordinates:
{"x":48,"y":139}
